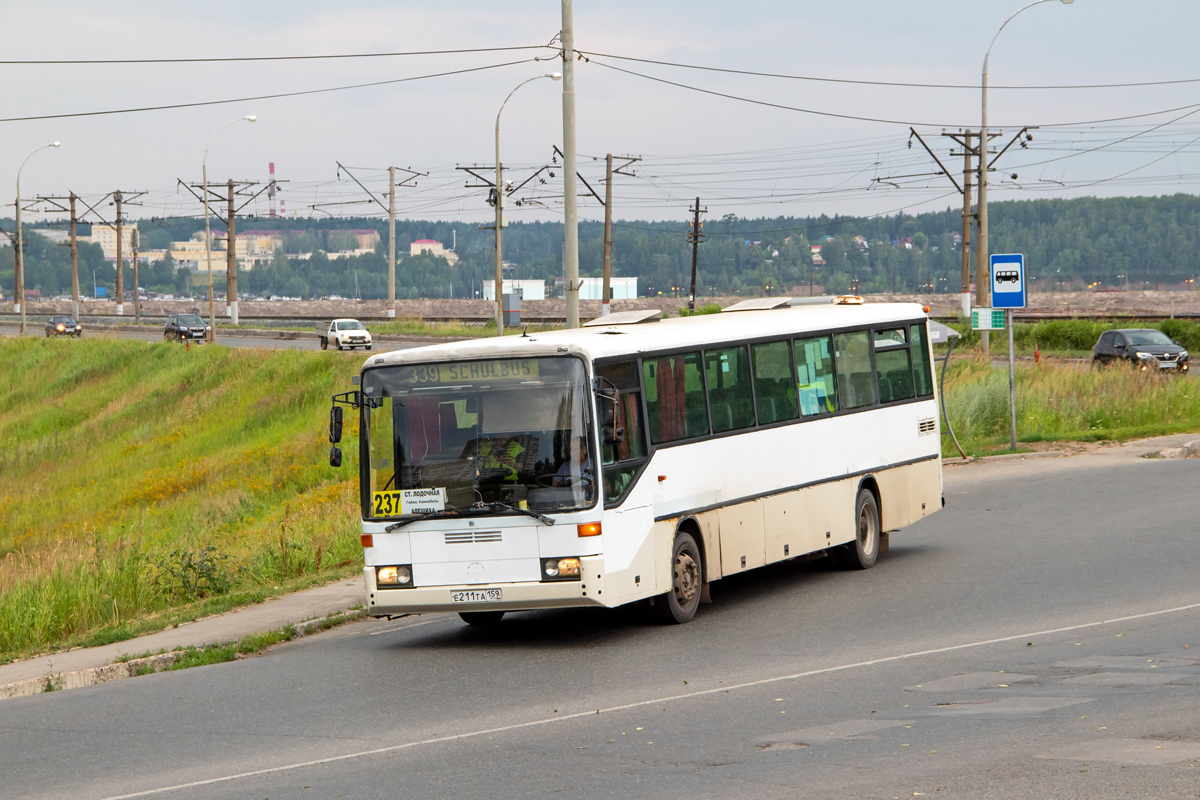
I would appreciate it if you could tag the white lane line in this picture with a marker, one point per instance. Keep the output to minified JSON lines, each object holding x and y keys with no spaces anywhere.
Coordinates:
{"x":406,"y":627}
{"x":642,"y":703}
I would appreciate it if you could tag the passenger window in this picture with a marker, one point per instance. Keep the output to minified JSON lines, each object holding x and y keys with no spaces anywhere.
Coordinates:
{"x":922,"y":362}
{"x":814,"y":377}
{"x":675,"y":404}
{"x":729,"y":398}
{"x":855,"y":378}
{"x":895,"y":375}
{"x":774,"y":391}
{"x":890,"y":338}
{"x":629,"y":413}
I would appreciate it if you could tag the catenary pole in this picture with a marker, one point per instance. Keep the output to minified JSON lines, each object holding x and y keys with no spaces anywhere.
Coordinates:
{"x":570,"y":199}
{"x":391,"y":308}
{"x":120,"y":265}
{"x":74,"y":263}
{"x":137,"y":306}
{"x":695,"y":238}
{"x":966,"y":227}
{"x":19,"y":255}
{"x":231,"y":262}
{"x":212,"y":314}
{"x":606,"y":291}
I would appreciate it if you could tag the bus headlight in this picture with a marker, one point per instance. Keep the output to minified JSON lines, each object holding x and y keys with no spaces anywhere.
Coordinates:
{"x":397,"y":577}
{"x":560,"y":569}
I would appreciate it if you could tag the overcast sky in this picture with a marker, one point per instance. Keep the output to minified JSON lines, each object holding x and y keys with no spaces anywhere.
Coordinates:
{"x":741,"y":158}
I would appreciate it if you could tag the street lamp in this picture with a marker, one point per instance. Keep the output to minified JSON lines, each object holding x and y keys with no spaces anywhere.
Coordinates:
{"x":499,"y":293}
{"x":19,"y":275}
{"x":981,"y":296}
{"x":212,"y":314}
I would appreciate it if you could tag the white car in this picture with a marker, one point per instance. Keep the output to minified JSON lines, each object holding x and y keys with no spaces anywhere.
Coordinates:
{"x":346,"y":334}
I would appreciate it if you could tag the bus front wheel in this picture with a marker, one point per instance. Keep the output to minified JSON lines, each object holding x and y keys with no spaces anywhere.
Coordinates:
{"x":864,"y":550}
{"x":481,"y":618}
{"x":687,"y":577}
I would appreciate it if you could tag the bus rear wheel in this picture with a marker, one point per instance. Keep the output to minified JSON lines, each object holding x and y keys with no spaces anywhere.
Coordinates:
{"x":481,"y":618}
{"x":687,"y":577}
{"x":864,"y":550}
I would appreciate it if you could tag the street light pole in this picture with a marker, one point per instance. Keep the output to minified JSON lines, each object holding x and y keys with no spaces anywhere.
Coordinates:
{"x":19,"y":262}
{"x":212,"y":314}
{"x":499,"y":293}
{"x":982,"y":261}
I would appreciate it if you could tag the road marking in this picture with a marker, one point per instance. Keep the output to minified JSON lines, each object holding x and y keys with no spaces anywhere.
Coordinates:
{"x":642,"y":703}
{"x":406,"y":627}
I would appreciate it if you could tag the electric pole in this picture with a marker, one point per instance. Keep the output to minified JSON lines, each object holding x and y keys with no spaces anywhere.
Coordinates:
{"x":120,"y":265}
{"x":231,"y":309}
{"x":966,"y":226}
{"x":695,"y":236}
{"x":570,"y":201}
{"x":499,"y":292}
{"x":74,"y":263}
{"x":606,"y":291}
{"x":137,"y":306}
{"x":391,"y":306}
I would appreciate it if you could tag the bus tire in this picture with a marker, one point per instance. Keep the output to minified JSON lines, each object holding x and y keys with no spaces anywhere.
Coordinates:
{"x":864,"y":550}
{"x":687,"y":579}
{"x":481,"y":619}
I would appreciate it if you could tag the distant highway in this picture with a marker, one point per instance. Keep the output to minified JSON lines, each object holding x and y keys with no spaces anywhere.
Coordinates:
{"x":228,"y":339}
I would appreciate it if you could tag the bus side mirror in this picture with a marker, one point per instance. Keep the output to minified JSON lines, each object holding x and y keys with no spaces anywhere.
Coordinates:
{"x":608,"y":399}
{"x":335,"y":426}
{"x":335,"y":456}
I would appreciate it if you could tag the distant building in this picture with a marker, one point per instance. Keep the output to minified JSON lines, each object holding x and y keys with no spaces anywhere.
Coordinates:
{"x":106,"y":237}
{"x":861,"y":243}
{"x":622,"y":288}
{"x":528,"y":289}
{"x":434,"y":248}
{"x":365,"y":238}
{"x":54,"y":235}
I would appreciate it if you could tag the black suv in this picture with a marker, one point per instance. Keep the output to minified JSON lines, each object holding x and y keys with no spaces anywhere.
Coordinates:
{"x":185,"y":327}
{"x":1144,"y":348}
{"x":63,"y":325}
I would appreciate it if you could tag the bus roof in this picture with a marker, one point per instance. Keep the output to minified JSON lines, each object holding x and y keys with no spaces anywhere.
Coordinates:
{"x":601,"y":341}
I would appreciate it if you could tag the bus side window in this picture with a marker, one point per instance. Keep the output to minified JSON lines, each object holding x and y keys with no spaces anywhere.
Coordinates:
{"x":855,"y":378}
{"x":729,"y":397}
{"x":774,"y":390}
{"x":675,"y":403}
{"x":629,"y":413}
{"x":922,"y":367}
{"x":814,"y":377}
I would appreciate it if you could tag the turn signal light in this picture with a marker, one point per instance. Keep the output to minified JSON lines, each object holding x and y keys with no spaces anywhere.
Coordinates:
{"x":367,"y":540}
{"x":588,"y":529}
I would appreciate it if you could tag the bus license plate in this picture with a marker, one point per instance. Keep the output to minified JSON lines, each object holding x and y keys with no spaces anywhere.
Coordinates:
{"x":484,"y":596}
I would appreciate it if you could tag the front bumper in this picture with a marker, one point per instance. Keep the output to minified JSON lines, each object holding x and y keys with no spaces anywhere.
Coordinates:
{"x":522,"y":596}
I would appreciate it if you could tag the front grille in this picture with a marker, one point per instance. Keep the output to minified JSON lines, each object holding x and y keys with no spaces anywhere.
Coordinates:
{"x":473,"y":537}
{"x":1167,"y":357}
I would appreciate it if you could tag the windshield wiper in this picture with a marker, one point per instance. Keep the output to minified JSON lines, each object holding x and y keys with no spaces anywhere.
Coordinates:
{"x":449,"y":512}
{"x":493,"y":506}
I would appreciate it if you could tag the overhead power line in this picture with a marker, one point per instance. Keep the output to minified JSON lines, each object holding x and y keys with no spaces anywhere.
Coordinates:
{"x":858,"y":118}
{"x":221,"y":59}
{"x":265,"y":96}
{"x":973,"y":86}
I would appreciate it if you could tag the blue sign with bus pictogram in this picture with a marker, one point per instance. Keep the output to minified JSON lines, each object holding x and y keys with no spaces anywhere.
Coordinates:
{"x":1008,"y":280}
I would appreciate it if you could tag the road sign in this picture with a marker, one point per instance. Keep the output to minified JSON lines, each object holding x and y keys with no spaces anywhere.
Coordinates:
{"x":987,"y":319}
{"x":1008,"y":280}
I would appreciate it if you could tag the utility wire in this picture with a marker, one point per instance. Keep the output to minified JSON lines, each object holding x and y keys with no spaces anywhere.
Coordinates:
{"x":270,"y":58}
{"x":868,"y":119}
{"x":880,"y":83}
{"x":265,"y":96}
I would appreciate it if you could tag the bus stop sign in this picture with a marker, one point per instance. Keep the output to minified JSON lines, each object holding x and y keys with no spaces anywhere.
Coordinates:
{"x":1008,"y":280}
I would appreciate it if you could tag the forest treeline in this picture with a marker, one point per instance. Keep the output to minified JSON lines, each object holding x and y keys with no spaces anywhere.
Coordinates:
{"x":1132,"y":242}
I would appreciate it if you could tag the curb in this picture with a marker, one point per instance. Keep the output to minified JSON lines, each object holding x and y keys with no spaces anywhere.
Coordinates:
{"x":962,"y":462}
{"x":1186,"y":450}
{"x":143,"y":666}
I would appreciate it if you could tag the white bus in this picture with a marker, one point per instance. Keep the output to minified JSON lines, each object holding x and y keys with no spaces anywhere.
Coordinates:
{"x":723,"y":443}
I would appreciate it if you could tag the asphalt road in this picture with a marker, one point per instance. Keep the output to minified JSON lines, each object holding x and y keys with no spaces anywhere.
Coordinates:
{"x":1028,"y":641}
{"x":223,"y":338}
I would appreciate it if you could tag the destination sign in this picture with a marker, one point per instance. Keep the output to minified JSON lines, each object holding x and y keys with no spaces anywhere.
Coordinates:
{"x":470,"y":372}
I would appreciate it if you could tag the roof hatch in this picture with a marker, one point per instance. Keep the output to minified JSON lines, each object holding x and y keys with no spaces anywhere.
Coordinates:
{"x":625,"y":318}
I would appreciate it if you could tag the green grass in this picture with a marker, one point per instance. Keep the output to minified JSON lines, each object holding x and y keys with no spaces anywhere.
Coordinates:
{"x":1064,"y":402}
{"x":1073,"y":337}
{"x":120,"y":454}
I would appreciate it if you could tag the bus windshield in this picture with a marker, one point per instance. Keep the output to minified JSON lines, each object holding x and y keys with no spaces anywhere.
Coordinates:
{"x":512,"y":431}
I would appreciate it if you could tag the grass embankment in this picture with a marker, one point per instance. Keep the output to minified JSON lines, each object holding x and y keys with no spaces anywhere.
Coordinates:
{"x":145,"y":484}
{"x":1064,"y":402}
